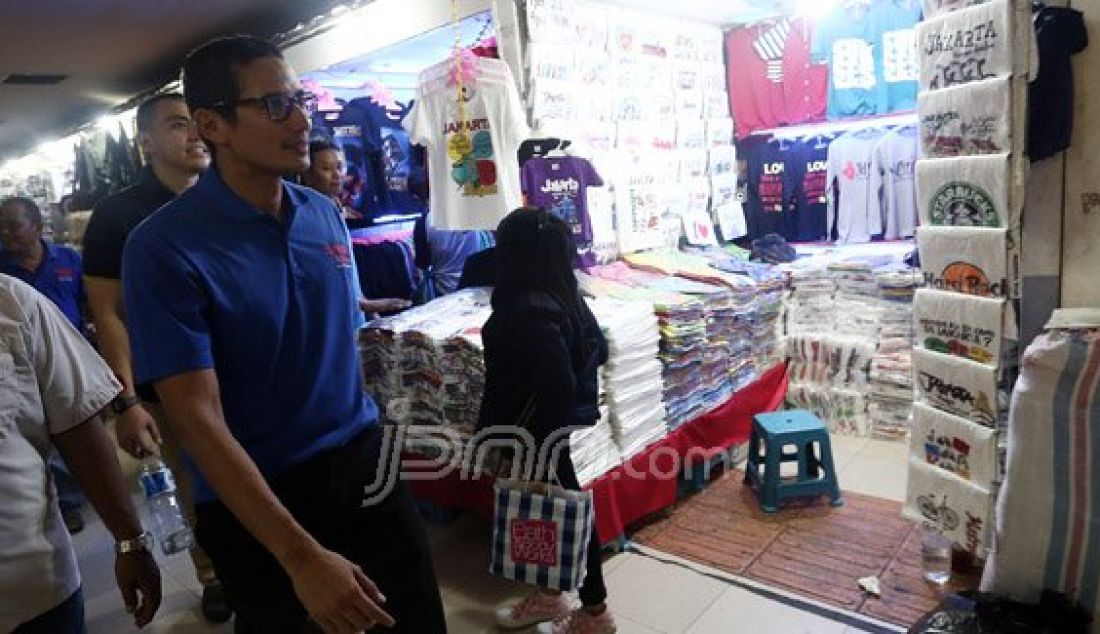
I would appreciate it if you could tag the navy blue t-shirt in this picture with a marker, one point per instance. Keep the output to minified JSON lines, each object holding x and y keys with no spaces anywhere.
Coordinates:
{"x":380,"y":160}
{"x":59,"y":278}
{"x":807,"y":178}
{"x":211,"y":282}
{"x":770,"y":196}
{"x":1060,"y":33}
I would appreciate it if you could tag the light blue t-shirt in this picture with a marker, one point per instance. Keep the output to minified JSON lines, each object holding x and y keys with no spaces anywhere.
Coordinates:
{"x":897,"y":64}
{"x":872,"y":57}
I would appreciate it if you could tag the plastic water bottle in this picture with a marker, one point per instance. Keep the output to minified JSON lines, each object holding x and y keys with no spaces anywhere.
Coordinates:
{"x":936,"y":557}
{"x":172,"y":530}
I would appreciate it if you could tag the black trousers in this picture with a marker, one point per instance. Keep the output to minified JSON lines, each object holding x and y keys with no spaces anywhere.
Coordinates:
{"x":592,"y":590}
{"x":67,"y":618}
{"x":325,"y":495}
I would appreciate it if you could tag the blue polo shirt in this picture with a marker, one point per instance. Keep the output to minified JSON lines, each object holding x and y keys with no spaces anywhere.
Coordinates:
{"x":211,"y":282}
{"x":60,"y":278}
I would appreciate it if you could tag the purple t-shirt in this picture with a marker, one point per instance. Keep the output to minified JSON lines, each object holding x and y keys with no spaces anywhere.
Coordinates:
{"x":559,"y":185}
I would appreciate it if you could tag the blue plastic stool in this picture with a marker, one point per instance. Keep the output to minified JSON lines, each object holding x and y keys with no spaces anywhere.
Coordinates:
{"x":816,"y":473}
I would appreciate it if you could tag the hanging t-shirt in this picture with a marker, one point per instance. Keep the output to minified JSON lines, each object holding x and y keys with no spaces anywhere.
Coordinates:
{"x":756,"y":95}
{"x":894,"y":171}
{"x":560,"y":186}
{"x":965,"y":120}
{"x":855,"y":214}
{"x":966,"y":46}
{"x":363,"y":189}
{"x":893,"y":23}
{"x":772,"y":79}
{"x":396,"y":166}
{"x":809,"y":180}
{"x":1060,"y":33}
{"x":846,"y":40}
{"x":472,"y":166}
{"x":769,"y":197}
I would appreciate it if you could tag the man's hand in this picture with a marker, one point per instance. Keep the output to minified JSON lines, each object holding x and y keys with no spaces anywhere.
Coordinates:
{"x":139,"y":578}
{"x":387,"y":305}
{"x":137,"y":433}
{"x":336,"y":593}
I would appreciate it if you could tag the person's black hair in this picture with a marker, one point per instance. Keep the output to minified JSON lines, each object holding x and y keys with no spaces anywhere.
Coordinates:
{"x":320,"y":144}
{"x":29,"y":207}
{"x":147,"y":111}
{"x":535,"y":251}
{"x":210,"y":72}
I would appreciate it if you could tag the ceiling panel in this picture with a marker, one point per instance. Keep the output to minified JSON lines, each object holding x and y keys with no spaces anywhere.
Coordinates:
{"x":112,"y":50}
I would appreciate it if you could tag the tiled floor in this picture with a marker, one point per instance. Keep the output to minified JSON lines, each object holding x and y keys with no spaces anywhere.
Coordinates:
{"x":647,"y":596}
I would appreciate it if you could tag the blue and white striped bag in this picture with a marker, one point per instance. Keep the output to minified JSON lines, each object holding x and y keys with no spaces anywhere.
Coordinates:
{"x":541,"y":533}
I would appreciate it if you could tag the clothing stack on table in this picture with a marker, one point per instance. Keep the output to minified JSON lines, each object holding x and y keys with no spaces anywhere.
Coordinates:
{"x":810,"y":305}
{"x":682,"y":328}
{"x":593,"y":449}
{"x":891,"y":385}
{"x":735,"y":324}
{"x":760,"y":319}
{"x":377,"y":358}
{"x":426,"y":363}
{"x":632,"y":375}
{"x":710,"y":385}
{"x":857,"y":307}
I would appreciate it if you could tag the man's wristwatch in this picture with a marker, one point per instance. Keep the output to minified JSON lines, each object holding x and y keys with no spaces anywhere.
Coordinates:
{"x":122,"y":403}
{"x":143,"y":542}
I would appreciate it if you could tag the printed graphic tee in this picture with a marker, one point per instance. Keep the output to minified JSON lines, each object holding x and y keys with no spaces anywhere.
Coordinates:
{"x":772,"y":78}
{"x":808,"y":179}
{"x":895,"y":170}
{"x":893,"y":26}
{"x":395,"y":166}
{"x":769,"y":195}
{"x":473,"y":172}
{"x":966,"y":46}
{"x":856,"y":214}
{"x":845,"y":40}
{"x":560,"y":185}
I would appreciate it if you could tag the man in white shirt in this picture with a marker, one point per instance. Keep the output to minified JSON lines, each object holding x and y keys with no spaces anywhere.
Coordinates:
{"x":52,"y":386}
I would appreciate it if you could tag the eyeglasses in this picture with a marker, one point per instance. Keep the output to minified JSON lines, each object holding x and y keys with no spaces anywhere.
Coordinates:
{"x":277,"y":105}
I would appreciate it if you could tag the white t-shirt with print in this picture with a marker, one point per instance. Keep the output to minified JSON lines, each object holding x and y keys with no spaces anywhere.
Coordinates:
{"x":473,"y":170}
{"x":51,"y":380}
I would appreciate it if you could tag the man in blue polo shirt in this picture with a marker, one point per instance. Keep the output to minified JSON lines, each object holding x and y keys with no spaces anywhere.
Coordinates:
{"x":54,"y":271}
{"x":241,"y":313}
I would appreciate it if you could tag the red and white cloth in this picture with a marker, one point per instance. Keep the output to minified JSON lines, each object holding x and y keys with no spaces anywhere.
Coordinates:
{"x":1048,"y":512}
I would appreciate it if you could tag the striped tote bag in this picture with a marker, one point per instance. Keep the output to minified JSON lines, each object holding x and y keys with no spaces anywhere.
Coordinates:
{"x":541,"y":533}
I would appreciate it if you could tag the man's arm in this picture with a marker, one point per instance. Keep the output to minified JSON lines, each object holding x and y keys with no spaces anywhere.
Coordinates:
{"x":90,"y":455}
{"x":333,"y":590}
{"x":75,"y":385}
{"x":137,"y":431}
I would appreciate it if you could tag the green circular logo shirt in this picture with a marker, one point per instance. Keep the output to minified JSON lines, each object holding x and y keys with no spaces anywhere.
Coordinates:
{"x":960,"y":204}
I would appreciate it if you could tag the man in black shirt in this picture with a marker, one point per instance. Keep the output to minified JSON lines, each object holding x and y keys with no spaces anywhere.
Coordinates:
{"x":176,"y":156}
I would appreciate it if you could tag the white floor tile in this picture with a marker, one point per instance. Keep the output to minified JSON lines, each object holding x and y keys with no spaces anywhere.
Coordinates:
{"x":630,"y":626}
{"x":888,"y":449}
{"x":663,"y":597}
{"x":845,"y":448}
{"x":759,"y":615}
{"x":871,"y":475}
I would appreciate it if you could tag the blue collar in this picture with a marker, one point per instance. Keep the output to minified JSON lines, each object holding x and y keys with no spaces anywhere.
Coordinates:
{"x":49,"y":253}
{"x":211,"y":187}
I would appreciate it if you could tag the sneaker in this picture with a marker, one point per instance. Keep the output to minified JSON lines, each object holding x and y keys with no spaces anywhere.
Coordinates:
{"x":215,"y":606}
{"x":74,"y":521}
{"x":580,"y":621}
{"x":539,"y":607}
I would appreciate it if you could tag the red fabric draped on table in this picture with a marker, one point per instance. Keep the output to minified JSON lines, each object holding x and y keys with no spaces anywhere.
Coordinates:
{"x":649,"y":481}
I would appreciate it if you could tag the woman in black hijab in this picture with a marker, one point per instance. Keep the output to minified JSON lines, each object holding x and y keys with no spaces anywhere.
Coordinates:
{"x":543,"y":350}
